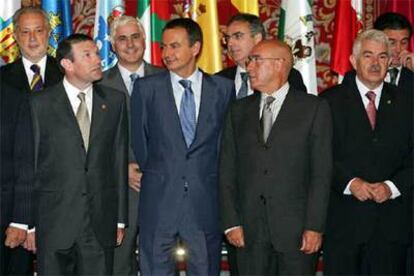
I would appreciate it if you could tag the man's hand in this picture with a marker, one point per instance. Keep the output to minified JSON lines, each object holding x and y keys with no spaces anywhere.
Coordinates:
{"x":236,"y":237}
{"x":311,"y":242}
{"x":381,"y":192}
{"x":134,"y":176}
{"x":361,"y":189}
{"x":15,"y":236}
{"x":30,"y":243}
{"x":407,"y":59}
{"x":120,"y":232}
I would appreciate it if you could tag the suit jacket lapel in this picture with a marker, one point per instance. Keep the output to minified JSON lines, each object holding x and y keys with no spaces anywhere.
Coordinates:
{"x":385,"y":109}
{"x":52,"y":73}
{"x":99,"y":109}
{"x":18,"y":72}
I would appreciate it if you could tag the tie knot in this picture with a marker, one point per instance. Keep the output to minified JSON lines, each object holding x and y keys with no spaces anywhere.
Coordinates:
{"x":35,"y":68}
{"x":269,"y":100}
{"x":371,"y":95}
{"x":133,"y":77}
{"x":185,"y":83}
{"x":81,"y":96}
{"x":244,"y":76}
{"x":393,"y":71}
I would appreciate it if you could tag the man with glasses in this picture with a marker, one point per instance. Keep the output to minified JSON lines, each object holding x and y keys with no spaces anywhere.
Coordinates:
{"x":244,"y":31}
{"x":275,"y":169}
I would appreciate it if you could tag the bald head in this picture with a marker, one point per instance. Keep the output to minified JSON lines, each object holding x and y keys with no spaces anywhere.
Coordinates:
{"x":269,"y":65}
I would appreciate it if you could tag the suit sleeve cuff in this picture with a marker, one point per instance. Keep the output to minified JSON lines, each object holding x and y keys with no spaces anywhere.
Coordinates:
{"x":347,"y":190}
{"x":19,"y":226}
{"x":394,"y":190}
{"x":230,"y":229}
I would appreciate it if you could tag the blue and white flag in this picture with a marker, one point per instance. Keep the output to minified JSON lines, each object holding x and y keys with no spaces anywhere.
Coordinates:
{"x":60,"y":20}
{"x":106,"y":11}
{"x":9,"y":50}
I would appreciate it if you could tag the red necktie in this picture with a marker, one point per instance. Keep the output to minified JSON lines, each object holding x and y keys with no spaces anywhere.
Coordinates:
{"x":371,"y":110}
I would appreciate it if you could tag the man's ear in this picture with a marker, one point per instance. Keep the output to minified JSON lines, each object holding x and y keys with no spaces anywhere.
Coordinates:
{"x":196,"y":48}
{"x":66,"y":64}
{"x":257,"y":38}
{"x":352,"y":59}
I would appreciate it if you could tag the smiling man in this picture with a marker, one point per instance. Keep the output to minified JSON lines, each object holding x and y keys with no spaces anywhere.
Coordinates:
{"x":35,"y":70}
{"x":128,"y":42}
{"x":80,"y":186}
{"x":176,"y":120}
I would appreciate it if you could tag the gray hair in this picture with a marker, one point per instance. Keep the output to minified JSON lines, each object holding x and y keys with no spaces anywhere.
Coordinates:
{"x":26,"y":10}
{"x":121,"y":21}
{"x":373,"y":35}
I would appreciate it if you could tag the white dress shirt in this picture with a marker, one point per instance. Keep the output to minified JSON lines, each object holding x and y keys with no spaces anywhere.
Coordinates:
{"x":378,"y":91}
{"x":125,"y":73}
{"x":178,"y":90}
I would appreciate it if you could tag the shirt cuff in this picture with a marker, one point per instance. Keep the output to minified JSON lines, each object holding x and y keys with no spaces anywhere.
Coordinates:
{"x":347,"y":190}
{"x":19,"y":225}
{"x":121,"y":225}
{"x":232,"y":228}
{"x":394,"y":190}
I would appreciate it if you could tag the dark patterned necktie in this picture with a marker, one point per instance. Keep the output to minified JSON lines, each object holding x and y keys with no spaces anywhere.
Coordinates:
{"x":244,"y":86}
{"x":188,"y":112}
{"x":371,"y":109}
{"x":393,"y":75}
{"x":37,"y":83}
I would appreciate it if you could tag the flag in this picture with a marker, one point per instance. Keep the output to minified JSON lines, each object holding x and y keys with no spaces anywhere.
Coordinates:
{"x":348,"y":22}
{"x":60,"y":20}
{"x":296,"y":29}
{"x":106,"y":11}
{"x":153,"y":15}
{"x":246,"y":6}
{"x":204,"y":12}
{"x":9,"y":50}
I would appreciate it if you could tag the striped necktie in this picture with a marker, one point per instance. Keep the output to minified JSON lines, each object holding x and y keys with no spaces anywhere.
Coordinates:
{"x":37,"y":82}
{"x":188,"y":113}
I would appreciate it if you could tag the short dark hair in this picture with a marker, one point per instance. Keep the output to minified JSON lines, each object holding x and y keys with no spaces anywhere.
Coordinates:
{"x":64,"y":49}
{"x":256,"y":26}
{"x":190,"y":26}
{"x":393,"y":21}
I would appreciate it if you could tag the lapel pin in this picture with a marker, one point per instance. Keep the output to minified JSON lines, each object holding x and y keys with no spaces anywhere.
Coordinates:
{"x":389,"y":102}
{"x":103,"y":107}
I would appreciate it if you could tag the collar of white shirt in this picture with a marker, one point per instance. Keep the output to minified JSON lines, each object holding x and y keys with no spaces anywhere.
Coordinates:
{"x":29,"y":73}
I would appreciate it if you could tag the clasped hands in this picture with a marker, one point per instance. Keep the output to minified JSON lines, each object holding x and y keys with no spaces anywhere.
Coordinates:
{"x":363,"y":190}
{"x":311,"y":240}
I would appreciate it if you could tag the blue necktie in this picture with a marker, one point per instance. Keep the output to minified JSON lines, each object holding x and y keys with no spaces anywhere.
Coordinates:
{"x":187,"y":112}
{"x":133,"y":77}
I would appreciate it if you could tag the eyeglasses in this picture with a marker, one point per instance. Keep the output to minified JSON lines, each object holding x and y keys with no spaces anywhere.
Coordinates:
{"x":259,"y":60}
{"x":235,"y":36}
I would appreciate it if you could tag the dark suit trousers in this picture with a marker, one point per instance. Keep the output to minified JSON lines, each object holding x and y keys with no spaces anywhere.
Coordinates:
{"x":85,"y":257}
{"x":203,"y":249}
{"x":375,"y":257}
{"x":259,"y":256}
{"x":125,"y":258}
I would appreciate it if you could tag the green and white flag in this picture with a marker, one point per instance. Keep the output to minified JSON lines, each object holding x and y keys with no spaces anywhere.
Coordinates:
{"x":296,"y":29}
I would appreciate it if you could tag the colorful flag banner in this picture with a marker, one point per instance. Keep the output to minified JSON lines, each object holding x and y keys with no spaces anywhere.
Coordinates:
{"x":153,"y":15}
{"x":106,"y":11}
{"x":246,"y":6}
{"x":348,"y":22}
{"x":204,"y":12}
{"x":9,"y":51}
{"x":60,"y":20}
{"x":296,"y":29}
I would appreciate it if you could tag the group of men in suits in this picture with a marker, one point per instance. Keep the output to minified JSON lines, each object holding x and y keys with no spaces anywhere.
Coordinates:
{"x":262,"y":174}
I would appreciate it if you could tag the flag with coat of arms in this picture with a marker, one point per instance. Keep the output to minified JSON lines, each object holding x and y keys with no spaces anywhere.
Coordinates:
{"x":9,"y":51}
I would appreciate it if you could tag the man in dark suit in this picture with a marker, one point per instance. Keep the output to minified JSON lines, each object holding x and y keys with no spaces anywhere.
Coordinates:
{"x":32,"y":72}
{"x":275,"y":170}
{"x":16,"y":170}
{"x":128,"y":42}
{"x":401,"y":68}
{"x":244,"y":31}
{"x":81,"y":148}
{"x":369,"y":218}
{"x":35,"y":70}
{"x":176,"y":120}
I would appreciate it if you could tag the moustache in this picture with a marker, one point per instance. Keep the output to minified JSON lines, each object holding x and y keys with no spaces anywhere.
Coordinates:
{"x":374,"y":68}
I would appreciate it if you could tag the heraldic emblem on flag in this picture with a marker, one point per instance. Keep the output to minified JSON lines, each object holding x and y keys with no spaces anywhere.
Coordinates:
{"x":9,"y":51}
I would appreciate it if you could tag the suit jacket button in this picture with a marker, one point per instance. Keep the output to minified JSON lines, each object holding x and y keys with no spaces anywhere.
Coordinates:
{"x":86,"y":169}
{"x":375,"y":139}
{"x":265,"y":172}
